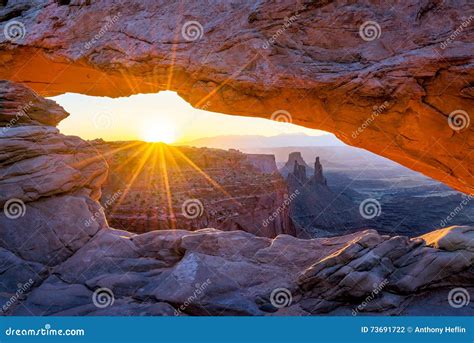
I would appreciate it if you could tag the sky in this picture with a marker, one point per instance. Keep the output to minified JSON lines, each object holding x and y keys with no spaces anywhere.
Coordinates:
{"x":158,"y":117}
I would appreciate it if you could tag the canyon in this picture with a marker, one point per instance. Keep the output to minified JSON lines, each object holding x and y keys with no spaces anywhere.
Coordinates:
{"x":394,"y":95}
{"x":229,"y":190}
{"x":407,"y":203}
{"x":318,"y":210}
{"x":59,"y":250}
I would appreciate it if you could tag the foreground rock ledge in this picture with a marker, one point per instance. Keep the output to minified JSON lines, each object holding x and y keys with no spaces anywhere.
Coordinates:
{"x":211,"y":272}
{"x":391,"y":95}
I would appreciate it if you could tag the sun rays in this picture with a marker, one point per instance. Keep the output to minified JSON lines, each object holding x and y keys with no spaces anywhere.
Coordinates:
{"x":172,"y":167}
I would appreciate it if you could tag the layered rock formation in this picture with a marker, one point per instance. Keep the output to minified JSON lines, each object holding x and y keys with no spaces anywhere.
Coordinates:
{"x":294,"y":158}
{"x":395,"y":79}
{"x":263,"y":163}
{"x":49,"y":187}
{"x":316,"y":210}
{"x":60,"y":257}
{"x":156,"y":187}
{"x":210,"y":272}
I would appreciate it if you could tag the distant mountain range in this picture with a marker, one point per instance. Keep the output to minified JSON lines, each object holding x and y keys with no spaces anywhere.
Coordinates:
{"x":256,"y":141}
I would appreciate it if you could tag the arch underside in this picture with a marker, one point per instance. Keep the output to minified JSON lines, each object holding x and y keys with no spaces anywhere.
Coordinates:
{"x":392,"y":95}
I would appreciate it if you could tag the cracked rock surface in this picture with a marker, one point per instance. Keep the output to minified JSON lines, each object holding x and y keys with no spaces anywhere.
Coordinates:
{"x":60,"y":252}
{"x":392,"y":95}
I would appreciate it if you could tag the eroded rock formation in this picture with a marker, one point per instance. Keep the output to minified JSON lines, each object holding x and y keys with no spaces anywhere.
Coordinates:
{"x":295,"y":159}
{"x":316,"y":210}
{"x":210,"y":272}
{"x":155,"y":187}
{"x":60,"y":252}
{"x":388,"y":77}
{"x":49,"y":187}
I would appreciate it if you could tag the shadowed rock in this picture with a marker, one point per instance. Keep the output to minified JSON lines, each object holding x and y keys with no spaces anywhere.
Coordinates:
{"x":391,"y":92}
{"x":62,"y":243}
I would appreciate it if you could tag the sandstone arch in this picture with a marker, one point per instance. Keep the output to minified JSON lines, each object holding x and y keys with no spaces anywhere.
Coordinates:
{"x":305,"y":58}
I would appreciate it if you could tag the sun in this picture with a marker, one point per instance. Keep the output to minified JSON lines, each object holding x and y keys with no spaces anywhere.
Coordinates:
{"x":159,"y":132}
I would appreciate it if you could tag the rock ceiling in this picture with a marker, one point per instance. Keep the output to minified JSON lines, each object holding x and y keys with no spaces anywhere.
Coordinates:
{"x":393,"y":79}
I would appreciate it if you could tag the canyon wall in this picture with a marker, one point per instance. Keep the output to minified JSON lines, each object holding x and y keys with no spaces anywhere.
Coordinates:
{"x":49,"y":187}
{"x":318,"y":211}
{"x":264,"y":163}
{"x":393,"y":78}
{"x":58,"y":256}
{"x":158,"y":187}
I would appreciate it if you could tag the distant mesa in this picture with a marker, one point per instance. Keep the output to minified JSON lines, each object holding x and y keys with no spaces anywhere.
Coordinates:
{"x":293,"y":158}
{"x":317,"y":210}
{"x":264,"y":163}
